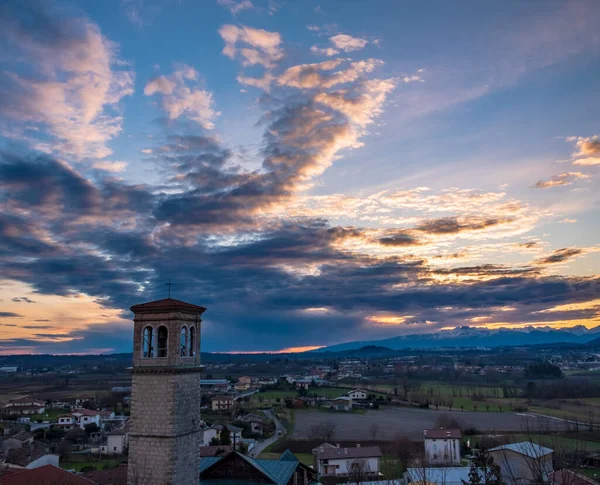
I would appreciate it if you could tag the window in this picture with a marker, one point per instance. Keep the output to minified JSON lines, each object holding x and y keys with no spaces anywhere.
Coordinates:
{"x":163,"y":335}
{"x":148,"y":348}
{"x":183,"y":341}
{"x":192,"y":351}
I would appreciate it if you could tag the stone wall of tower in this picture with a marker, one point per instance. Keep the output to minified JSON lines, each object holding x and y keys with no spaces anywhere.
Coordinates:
{"x":164,"y":443}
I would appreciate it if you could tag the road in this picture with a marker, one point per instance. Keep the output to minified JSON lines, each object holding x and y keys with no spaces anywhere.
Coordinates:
{"x":261,"y":445}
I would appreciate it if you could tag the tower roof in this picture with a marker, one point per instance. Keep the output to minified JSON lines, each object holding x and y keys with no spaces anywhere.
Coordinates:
{"x":167,"y":305}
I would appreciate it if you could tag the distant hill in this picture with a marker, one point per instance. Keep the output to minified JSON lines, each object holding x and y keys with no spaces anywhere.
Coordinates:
{"x":461,"y":337}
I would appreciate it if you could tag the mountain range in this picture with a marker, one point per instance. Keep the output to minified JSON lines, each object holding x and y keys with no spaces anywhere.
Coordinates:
{"x":466,"y":336}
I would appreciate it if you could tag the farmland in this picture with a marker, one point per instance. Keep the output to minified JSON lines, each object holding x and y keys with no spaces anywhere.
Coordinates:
{"x":411,"y":422}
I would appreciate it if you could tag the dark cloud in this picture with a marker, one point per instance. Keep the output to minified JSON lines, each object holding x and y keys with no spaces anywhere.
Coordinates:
{"x":454,"y":225}
{"x":37,"y":327}
{"x":560,"y":256}
{"x":10,"y":315}
{"x":22,"y":299}
{"x":399,"y":239}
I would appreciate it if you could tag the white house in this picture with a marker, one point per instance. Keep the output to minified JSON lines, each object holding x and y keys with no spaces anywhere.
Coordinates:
{"x":523,"y":462}
{"x":342,"y":403}
{"x":357,"y":394}
{"x":331,"y":460}
{"x":116,"y":442}
{"x":83,"y":417}
{"x":66,"y":421}
{"x":442,"y":446}
{"x":208,"y":434}
{"x":24,"y":406}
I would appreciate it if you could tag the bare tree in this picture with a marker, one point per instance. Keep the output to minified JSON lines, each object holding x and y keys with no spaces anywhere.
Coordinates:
{"x":374,"y":430}
{"x":323,"y":431}
{"x":404,"y":450}
{"x":358,"y":470}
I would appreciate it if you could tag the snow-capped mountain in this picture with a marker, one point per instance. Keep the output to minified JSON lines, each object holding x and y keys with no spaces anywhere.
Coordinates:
{"x":479,"y":337}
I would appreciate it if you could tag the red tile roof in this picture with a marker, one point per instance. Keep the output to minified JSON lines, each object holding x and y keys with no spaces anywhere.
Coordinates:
{"x":21,"y":456}
{"x":214,"y":450}
{"x":112,"y":476}
{"x":45,"y":475}
{"x":167,"y":305}
{"x":442,"y":434}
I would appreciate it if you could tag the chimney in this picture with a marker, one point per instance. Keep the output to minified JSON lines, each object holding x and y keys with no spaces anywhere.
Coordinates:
{"x":425,"y":433}
{"x":358,"y":445}
{"x":448,"y":434}
{"x":345,"y":451}
{"x":337,"y":445}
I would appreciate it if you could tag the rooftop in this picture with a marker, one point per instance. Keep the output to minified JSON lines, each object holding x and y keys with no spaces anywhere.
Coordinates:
{"x":527,"y":448}
{"x":357,"y":452}
{"x":167,"y":305}
{"x":44,"y":475}
{"x":441,"y":433}
{"x":453,"y":474}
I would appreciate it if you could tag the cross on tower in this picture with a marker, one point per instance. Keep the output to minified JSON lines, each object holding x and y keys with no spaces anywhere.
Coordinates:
{"x":169,"y":284}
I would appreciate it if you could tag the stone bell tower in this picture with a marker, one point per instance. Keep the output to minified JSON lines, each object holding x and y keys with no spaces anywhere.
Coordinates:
{"x":164,"y":442}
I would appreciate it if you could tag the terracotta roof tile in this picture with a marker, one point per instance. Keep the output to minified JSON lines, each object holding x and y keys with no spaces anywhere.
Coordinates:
{"x":45,"y":475}
{"x":166,"y":305}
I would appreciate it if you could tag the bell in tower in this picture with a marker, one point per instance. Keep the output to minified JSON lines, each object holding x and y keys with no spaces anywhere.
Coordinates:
{"x":165,"y":437}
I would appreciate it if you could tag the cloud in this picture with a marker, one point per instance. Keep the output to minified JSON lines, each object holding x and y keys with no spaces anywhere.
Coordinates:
{"x":260,"y":46}
{"x":588,"y":150}
{"x":565,"y":178}
{"x":180,"y":96}
{"x":10,"y":315}
{"x":347,"y":43}
{"x":22,"y":299}
{"x":561,"y":256}
{"x":324,"y":51}
{"x":109,"y":166}
{"x":236,"y":6}
{"x":68,"y":101}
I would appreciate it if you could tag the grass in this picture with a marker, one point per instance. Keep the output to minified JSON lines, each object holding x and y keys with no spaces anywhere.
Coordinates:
{"x":557,"y":443}
{"x":50,"y":414}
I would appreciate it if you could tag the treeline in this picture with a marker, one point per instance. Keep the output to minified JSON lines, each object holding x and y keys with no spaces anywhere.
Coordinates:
{"x":543,"y":370}
{"x":563,"y":389}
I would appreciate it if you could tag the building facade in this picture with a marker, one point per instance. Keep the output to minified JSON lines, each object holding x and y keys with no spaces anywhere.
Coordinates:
{"x":165,"y":436}
{"x":442,"y":446}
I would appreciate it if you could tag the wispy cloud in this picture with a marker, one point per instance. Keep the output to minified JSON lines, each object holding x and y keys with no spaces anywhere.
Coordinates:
{"x":565,"y":178}
{"x":181,"y":96}
{"x":255,"y":46}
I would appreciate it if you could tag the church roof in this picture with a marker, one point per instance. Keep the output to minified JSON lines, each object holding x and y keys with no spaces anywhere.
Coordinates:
{"x":167,"y":305}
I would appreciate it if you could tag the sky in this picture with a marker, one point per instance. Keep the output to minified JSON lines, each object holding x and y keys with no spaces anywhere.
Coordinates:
{"x":312,"y":172}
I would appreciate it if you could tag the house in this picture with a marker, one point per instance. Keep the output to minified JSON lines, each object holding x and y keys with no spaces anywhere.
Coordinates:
{"x":245,"y":380}
{"x":241,"y":387}
{"x":116,"y":442}
{"x":216,"y":450}
{"x":27,"y":457}
{"x":442,"y":446}
{"x":66,"y":421}
{"x":342,"y":403}
{"x":234,"y":467}
{"x":256,"y":423}
{"x":84,"y":417}
{"x":24,"y":406}
{"x":523,"y":462}
{"x":222,"y":403}
{"x":44,"y":475}
{"x":453,"y":475}
{"x":357,"y":394}
{"x":208,"y":434}
{"x":332,"y":461}
{"x":23,"y":439}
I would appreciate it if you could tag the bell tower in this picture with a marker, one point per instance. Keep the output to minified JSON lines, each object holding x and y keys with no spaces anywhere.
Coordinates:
{"x":164,"y":442}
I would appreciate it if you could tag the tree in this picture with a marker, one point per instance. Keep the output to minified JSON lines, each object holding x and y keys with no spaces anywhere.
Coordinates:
{"x":91,"y":428}
{"x":214,"y":441}
{"x":323,"y":431}
{"x":484,"y":471}
{"x":403,"y":449}
{"x":225,"y":436}
{"x":358,"y":471}
{"x":374,"y":430}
